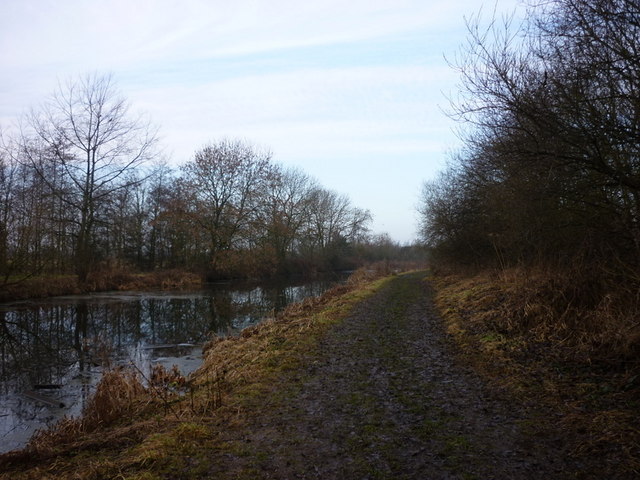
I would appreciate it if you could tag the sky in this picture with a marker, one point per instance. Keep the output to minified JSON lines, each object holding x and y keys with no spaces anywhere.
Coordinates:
{"x":353,"y":93}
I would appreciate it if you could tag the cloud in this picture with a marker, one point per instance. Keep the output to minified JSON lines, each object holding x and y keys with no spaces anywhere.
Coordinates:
{"x":121,"y":32}
{"x":366,"y":104}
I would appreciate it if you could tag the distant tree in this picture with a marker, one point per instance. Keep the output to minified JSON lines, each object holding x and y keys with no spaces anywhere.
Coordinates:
{"x":225,"y":184}
{"x":93,"y":141}
{"x":333,"y":224}
{"x":123,"y":224}
{"x":284,"y":211}
{"x":158,"y":199}
{"x":28,"y":219}
{"x":7,"y":211}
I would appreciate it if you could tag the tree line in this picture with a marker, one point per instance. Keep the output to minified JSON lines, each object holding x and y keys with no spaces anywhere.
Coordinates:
{"x":82,"y":188}
{"x":549,"y":170}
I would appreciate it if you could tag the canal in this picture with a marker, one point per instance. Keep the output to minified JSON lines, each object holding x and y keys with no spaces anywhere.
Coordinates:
{"x":53,"y":351}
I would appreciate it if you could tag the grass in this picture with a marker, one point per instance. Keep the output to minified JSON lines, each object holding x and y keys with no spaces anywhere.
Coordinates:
{"x":553,"y":338}
{"x":162,"y":426}
{"x":40,"y":286}
{"x":112,"y":278}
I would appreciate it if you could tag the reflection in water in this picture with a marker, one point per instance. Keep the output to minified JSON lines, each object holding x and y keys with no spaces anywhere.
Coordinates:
{"x":52,"y":352}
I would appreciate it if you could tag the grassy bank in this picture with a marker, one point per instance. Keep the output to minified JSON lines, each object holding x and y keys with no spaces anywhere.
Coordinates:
{"x":108,"y":279}
{"x":162,"y":425}
{"x":543,"y":339}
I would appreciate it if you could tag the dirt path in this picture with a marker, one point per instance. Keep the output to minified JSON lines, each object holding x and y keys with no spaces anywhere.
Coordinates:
{"x":384,"y":397}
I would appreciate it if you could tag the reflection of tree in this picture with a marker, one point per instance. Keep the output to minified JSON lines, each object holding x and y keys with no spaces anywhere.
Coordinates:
{"x":35,"y":345}
{"x":46,"y":344}
{"x":80,"y":333}
{"x":7,"y":346}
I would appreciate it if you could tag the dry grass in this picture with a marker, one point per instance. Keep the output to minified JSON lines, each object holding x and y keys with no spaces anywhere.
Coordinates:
{"x":135,"y":426}
{"x":39,"y":287}
{"x":583,"y":320}
{"x":119,"y":394}
{"x":121,"y":278}
{"x":595,"y":318}
{"x":567,"y":341}
{"x":109,"y":278}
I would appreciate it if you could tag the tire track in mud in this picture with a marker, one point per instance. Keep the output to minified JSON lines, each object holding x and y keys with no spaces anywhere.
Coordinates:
{"x":385,"y":398}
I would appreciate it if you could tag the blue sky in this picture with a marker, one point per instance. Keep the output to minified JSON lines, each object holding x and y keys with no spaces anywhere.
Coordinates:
{"x":350,"y":92}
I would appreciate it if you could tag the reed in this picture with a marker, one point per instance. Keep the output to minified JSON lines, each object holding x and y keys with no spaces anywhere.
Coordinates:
{"x":119,"y":394}
{"x":567,"y":339}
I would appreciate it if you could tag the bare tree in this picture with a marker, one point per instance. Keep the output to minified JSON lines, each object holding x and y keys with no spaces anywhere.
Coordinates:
{"x":7,"y":210}
{"x":285,"y":211}
{"x":161,"y":188}
{"x":226,"y":183}
{"x":333,"y":224}
{"x":90,"y":135}
{"x":26,"y":217}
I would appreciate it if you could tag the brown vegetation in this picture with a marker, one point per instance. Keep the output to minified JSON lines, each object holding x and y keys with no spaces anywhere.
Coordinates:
{"x":119,"y":393}
{"x":40,"y":287}
{"x":108,"y":278}
{"x":550,"y":339}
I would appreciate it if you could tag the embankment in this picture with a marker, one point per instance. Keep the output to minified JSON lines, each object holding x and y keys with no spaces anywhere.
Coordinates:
{"x":550,"y":339}
{"x":51,"y":286}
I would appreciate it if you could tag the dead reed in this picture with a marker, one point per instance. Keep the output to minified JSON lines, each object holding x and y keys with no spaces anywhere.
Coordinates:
{"x":108,"y":278}
{"x":585,"y":318}
{"x":40,"y":287}
{"x":566,"y":339}
{"x":119,"y":394}
{"x":118,"y":277}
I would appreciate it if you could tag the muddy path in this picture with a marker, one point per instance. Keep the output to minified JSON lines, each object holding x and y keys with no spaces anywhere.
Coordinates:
{"x":383,"y":396}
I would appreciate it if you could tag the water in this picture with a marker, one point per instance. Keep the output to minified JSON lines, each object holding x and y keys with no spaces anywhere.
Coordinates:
{"x":53,"y":351}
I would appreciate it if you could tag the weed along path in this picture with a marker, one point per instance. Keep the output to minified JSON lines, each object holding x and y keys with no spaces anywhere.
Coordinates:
{"x":383,"y":396}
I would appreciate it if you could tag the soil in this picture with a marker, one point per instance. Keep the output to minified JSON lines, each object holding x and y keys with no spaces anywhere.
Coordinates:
{"x":385,"y":396}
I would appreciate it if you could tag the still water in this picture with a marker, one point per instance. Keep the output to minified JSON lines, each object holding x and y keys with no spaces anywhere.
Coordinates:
{"x":53,"y":351}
